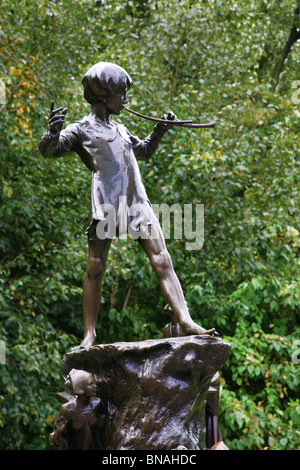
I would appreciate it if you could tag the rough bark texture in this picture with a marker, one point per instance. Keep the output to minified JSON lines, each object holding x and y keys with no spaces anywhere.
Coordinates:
{"x":154,"y":391}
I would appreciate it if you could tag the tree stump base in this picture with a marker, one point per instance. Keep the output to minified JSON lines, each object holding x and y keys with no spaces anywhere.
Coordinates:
{"x":154,"y":392}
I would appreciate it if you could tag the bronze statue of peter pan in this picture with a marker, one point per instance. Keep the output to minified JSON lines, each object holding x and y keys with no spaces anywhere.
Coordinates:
{"x":110,"y":152}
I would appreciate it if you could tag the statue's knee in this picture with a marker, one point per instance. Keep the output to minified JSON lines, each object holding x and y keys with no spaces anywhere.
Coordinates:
{"x":95,"y":267}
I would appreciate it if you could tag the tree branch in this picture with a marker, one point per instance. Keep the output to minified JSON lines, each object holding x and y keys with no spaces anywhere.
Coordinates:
{"x":293,"y":37}
{"x":127,"y":296}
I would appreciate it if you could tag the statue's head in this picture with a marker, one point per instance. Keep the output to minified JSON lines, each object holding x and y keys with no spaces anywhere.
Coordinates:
{"x":103,"y":80}
{"x":81,"y":382}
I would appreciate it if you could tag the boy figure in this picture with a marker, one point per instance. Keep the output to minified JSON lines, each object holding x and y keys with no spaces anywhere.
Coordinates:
{"x":110,"y":153}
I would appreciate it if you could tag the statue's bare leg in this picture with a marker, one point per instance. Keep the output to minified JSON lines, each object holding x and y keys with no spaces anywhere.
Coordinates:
{"x":155,"y":248}
{"x":96,"y":266}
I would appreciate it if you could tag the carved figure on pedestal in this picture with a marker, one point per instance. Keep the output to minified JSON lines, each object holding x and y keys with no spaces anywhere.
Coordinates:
{"x":79,"y":422}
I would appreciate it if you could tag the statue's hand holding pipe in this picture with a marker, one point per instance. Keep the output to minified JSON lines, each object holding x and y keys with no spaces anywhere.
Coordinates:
{"x":168,"y":117}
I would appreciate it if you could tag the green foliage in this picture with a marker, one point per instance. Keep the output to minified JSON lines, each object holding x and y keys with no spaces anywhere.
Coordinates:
{"x":29,"y":380}
{"x":204,"y":60}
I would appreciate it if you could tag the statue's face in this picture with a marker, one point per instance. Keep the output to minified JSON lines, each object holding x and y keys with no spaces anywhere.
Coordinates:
{"x":115,"y":103}
{"x":90,"y":386}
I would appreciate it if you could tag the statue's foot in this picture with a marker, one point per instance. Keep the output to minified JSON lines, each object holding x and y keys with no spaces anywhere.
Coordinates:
{"x":88,"y":341}
{"x":191,"y":328}
{"x":184,"y":326}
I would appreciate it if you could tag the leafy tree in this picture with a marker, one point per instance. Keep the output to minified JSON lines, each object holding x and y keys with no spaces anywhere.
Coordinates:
{"x":208,"y":59}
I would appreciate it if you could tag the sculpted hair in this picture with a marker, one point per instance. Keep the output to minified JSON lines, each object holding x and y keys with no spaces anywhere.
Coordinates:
{"x":76,"y":381}
{"x":104,"y":79}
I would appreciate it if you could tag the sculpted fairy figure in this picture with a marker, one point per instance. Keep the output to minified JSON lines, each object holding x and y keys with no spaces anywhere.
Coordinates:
{"x":111,"y":152}
{"x":80,"y":421}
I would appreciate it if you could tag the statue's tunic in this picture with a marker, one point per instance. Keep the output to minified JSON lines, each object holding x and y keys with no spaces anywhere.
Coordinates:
{"x":110,"y":152}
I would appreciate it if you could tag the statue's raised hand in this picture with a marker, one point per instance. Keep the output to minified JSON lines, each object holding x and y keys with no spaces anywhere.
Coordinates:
{"x":56,"y":121}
